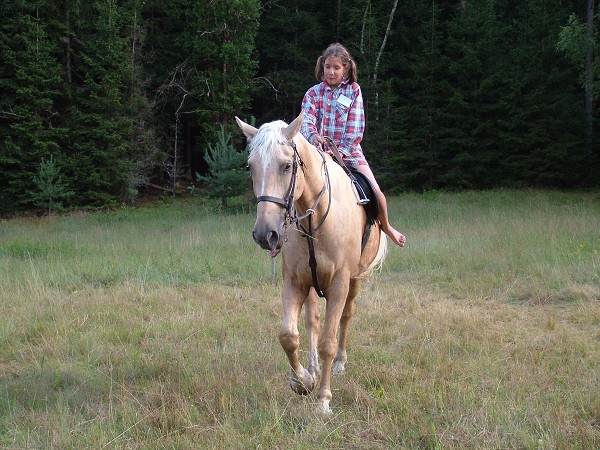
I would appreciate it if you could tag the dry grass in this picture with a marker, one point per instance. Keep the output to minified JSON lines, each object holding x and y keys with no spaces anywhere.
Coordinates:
{"x":157,"y":328}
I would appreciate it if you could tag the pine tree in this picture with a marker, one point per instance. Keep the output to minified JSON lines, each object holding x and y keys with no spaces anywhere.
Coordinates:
{"x":540,"y":132}
{"x":204,"y":65}
{"x":51,"y":189}
{"x":29,"y":83}
{"x":290,"y":38}
{"x":414,"y":153}
{"x":227,"y":177}
{"x":222,"y":55}
{"x":111,"y":144}
{"x":579,"y":43}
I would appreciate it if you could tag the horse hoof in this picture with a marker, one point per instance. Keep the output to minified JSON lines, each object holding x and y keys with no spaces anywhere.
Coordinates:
{"x":314,"y":370}
{"x":323,"y":407}
{"x":338,"y":367}
{"x":302,"y":385}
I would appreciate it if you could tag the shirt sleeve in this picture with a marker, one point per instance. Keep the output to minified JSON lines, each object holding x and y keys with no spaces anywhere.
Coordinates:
{"x":355,"y":125}
{"x":309,"y":124}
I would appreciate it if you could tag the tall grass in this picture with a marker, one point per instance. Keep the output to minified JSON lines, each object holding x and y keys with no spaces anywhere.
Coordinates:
{"x":157,"y":328}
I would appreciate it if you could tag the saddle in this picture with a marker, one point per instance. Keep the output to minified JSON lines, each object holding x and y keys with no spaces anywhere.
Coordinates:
{"x":366,"y":195}
{"x":365,"y":192}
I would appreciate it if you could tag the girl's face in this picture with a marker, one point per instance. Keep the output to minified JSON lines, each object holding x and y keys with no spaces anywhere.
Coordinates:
{"x":333,"y":71}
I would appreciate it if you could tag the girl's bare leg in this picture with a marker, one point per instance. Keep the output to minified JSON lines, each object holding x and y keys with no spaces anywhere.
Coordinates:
{"x":396,"y":237}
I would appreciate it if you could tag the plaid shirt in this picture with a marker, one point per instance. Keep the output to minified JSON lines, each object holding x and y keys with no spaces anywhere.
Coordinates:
{"x":343,"y":120}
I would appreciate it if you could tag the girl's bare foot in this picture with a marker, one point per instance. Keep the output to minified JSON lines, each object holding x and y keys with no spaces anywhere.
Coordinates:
{"x":396,"y":237}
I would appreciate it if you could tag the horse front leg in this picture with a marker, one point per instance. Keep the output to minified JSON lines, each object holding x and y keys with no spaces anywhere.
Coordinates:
{"x":339,"y":363}
{"x":336,"y":297}
{"x":301,"y":380}
{"x":312,"y":321}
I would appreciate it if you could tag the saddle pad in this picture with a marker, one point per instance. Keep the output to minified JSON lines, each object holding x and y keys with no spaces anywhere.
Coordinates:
{"x":371,"y":208}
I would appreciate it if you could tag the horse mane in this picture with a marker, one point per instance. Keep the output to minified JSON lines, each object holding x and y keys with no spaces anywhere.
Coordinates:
{"x":267,"y":140}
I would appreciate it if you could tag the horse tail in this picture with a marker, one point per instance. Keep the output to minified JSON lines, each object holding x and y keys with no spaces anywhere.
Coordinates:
{"x":377,"y":262}
{"x":381,"y":253}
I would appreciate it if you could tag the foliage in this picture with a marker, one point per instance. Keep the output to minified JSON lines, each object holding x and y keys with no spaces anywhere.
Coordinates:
{"x":290,"y":38}
{"x":51,"y":190}
{"x":572,"y":40}
{"x":202,"y":63}
{"x":464,"y":94}
{"x":71,"y":89}
{"x":227,"y":176}
{"x":29,"y":81}
{"x":111,"y":142}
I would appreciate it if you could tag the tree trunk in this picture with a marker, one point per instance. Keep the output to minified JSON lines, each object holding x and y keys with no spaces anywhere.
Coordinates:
{"x":362,"y":35}
{"x":385,"y":37}
{"x":68,"y":46}
{"x":589,"y":78}
{"x":339,"y":16}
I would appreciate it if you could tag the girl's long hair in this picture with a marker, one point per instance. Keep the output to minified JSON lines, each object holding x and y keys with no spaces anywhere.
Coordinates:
{"x":339,"y":51}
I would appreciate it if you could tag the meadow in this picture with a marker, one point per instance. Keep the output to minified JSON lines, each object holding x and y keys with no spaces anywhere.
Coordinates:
{"x":156,"y":327}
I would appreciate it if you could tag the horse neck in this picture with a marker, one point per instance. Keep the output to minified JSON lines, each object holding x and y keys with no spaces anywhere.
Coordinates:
{"x":314,"y":179}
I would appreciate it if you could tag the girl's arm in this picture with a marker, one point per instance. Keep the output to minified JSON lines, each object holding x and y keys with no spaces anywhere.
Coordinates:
{"x":309,"y":124}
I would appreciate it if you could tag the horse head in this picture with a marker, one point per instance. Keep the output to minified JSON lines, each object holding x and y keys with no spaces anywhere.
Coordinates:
{"x":273,"y":162}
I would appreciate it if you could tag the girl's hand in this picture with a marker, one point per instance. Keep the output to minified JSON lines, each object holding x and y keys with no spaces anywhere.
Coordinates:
{"x":318,"y":141}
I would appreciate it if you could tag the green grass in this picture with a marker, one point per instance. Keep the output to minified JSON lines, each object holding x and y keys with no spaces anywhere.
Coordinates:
{"x":157,"y":328}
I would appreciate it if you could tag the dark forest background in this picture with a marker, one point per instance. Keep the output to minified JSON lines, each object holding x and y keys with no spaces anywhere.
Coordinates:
{"x":104,"y":98}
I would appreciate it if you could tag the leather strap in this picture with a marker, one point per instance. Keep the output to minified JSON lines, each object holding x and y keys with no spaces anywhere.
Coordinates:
{"x":312,"y":260}
{"x":269,"y":198}
{"x":336,"y":154}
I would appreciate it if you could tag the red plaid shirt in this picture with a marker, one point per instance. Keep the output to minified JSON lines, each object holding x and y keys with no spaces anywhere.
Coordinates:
{"x":339,"y":114}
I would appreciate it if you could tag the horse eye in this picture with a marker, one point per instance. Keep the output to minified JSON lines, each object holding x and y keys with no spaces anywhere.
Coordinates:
{"x":287,"y":167}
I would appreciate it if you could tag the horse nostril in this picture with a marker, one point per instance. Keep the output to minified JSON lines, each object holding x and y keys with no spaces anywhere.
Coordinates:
{"x":273,"y":239}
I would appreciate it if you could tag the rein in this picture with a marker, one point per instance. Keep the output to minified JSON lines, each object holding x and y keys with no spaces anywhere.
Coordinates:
{"x":287,"y":202}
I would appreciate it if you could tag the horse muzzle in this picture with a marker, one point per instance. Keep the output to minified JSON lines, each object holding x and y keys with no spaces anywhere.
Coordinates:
{"x":269,"y":230}
{"x":269,"y":237}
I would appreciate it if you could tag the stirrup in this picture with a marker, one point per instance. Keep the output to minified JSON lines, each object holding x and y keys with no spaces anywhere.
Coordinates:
{"x":361,"y":196}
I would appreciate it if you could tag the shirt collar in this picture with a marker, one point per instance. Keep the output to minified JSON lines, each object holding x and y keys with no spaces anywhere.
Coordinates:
{"x":344,"y":82}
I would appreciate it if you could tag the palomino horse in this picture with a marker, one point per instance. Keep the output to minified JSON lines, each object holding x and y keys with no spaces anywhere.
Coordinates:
{"x":307,"y":208}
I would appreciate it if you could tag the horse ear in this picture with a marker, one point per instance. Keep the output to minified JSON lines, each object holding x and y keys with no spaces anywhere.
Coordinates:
{"x":293,"y":128}
{"x":248,"y":130}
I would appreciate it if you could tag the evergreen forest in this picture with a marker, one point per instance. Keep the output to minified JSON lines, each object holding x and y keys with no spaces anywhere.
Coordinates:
{"x":102,"y":99}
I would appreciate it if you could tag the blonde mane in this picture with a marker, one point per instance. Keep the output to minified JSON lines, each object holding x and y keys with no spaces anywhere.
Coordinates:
{"x":267,"y":140}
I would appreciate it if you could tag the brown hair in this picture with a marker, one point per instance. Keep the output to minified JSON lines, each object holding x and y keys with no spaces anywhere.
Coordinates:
{"x":337,"y":50}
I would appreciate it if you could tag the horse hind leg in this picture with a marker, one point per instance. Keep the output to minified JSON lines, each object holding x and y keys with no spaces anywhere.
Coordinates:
{"x":336,"y":300}
{"x":341,"y":357}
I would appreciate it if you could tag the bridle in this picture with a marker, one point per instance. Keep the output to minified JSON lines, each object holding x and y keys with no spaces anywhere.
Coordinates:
{"x":287,"y":202}
{"x":288,"y":199}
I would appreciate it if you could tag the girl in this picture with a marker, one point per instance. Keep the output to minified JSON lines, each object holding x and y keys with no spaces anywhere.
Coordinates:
{"x":334,"y":108}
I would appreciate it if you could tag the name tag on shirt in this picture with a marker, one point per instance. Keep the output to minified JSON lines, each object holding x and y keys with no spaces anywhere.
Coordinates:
{"x":344,"y":101}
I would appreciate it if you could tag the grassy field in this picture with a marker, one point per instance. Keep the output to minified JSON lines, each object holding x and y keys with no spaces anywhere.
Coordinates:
{"x":157,"y":328}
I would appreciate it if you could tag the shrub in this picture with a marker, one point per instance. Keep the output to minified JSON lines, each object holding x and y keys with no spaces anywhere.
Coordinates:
{"x":227,"y":176}
{"x":51,"y":189}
